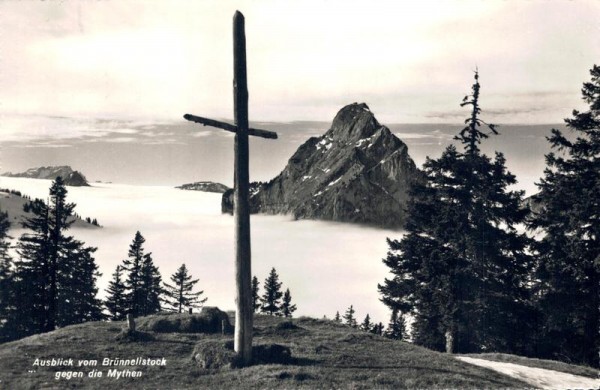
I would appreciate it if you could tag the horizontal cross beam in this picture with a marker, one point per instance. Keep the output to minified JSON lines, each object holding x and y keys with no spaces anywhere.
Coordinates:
{"x":229,"y":127}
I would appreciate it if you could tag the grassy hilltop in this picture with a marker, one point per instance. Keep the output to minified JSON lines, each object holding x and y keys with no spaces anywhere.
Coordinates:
{"x":325,"y":355}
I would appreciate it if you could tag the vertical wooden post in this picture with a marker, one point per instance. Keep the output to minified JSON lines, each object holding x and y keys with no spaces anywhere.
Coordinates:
{"x":449,"y":341}
{"x":130,"y":322}
{"x":243,"y":272}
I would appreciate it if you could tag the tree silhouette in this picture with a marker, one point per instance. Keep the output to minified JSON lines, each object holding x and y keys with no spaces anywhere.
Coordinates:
{"x":569,"y":266}
{"x":396,"y":328}
{"x":272,"y":294}
{"x":133,"y":266}
{"x":54,"y":279}
{"x":255,"y":296}
{"x":181,"y":293}
{"x":349,"y":318}
{"x":366,"y":325}
{"x":462,"y":269}
{"x":7,"y":309}
{"x":286,"y":307}
{"x":116,"y":302}
{"x":151,"y":286}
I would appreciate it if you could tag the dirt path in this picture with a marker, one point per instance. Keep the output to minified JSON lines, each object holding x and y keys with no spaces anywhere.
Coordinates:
{"x":537,"y":377}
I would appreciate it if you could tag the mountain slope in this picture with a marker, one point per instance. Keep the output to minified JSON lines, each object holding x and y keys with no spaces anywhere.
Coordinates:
{"x":327,"y":355}
{"x":12,"y":202}
{"x":358,"y":171}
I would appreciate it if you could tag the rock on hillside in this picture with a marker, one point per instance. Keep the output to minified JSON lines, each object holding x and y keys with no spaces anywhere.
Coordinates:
{"x":205,"y":186}
{"x":358,"y":171}
{"x":70,"y":177}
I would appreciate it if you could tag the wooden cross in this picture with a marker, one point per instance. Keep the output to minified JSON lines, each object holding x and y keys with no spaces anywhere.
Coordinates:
{"x":244,"y":309}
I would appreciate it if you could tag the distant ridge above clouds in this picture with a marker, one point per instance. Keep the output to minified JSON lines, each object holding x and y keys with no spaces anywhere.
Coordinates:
{"x":70,"y":177}
{"x":205,"y":186}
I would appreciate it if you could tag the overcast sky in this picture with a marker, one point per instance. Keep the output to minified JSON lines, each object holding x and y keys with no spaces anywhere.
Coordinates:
{"x":412,"y":62}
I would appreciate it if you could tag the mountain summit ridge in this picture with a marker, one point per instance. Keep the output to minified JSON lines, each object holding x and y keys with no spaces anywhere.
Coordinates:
{"x":204,"y":186}
{"x":69,"y":176}
{"x":358,"y":171}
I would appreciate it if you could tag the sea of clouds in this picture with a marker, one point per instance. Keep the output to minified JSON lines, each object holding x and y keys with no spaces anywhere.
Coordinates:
{"x":327,"y":266}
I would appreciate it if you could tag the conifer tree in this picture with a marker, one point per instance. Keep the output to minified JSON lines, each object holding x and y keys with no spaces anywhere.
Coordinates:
{"x":349,"y":318}
{"x":569,"y":266}
{"x":144,"y":283}
{"x":116,"y":301}
{"x":255,"y":296}
{"x":374,"y":328}
{"x":4,"y":237}
{"x":134,"y":282}
{"x":462,"y":269}
{"x":151,"y":286}
{"x":366,"y":325}
{"x":286,"y":307}
{"x":396,"y":328}
{"x":60,"y":211}
{"x":272,"y":295}
{"x":78,"y":295}
{"x":6,"y":278}
{"x":180,"y":294}
{"x":337,"y":317}
{"x":55,"y":275}
{"x":30,"y":295}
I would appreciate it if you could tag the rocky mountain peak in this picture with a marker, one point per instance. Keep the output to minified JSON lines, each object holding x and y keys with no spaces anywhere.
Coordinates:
{"x":353,"y":122}
{"x":358,"y":171}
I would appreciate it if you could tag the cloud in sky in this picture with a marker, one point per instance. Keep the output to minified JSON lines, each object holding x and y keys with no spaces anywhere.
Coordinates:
{"x":435,"y":134}
{"x":202,"y":133}
{"x":151,"y":60}
{"x":28,"y":128}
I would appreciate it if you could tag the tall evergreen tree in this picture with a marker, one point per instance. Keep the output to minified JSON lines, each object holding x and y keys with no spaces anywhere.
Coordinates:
{"x":77,"y":294}
{"x":55,"y":275}
{"x":287,"y":308}
{"x":151,"y":286}
{"x":569,"y":267}
{"x":255,"y":296}
{"x":116,"y":301}
{"x":60,"y":211}
{"x":136,"y":300}
{"x":272,"y":296}
{"x":30,"y":295}
{"x":180,"y":294}
{"x":462,"y":268}
{"x":349,"y":318}
{"x":144,"y":283}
